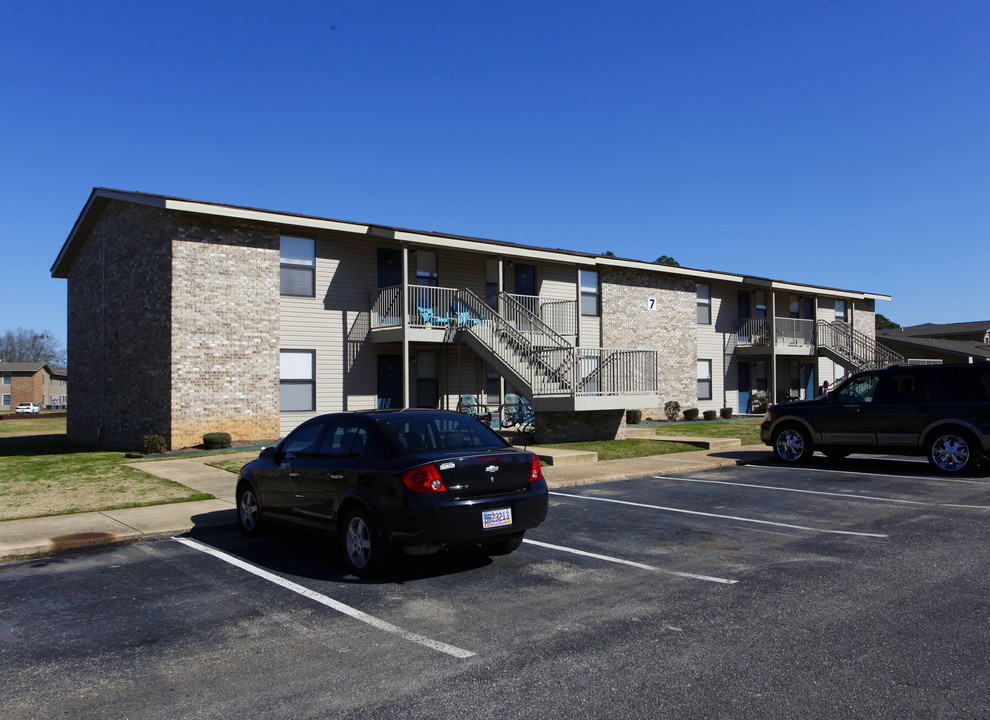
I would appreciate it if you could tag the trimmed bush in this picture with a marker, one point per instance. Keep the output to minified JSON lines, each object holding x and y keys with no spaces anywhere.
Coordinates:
{"x":710,"y":414}
{"x":634,"y":417}
{"x":153,"y":445}
{"x":691,"y":414}
{"x":726,"y":413}
{"x":216,"y":440}
{"x":672,"y":409}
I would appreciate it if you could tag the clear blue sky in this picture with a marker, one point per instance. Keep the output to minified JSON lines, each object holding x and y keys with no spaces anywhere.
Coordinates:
{"x":841,"y":143}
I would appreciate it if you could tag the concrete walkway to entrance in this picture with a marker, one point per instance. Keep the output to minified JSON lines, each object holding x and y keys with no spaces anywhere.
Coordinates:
{"x":41,"y":536}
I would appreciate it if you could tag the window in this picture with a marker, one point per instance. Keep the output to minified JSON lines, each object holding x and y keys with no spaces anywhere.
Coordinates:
{"x":344,"y":440}
{"x":704,"y":379}
{"x":761,"y":303}
{"x":426,"y":268}
{"x":298,"y":266}
{"x":6,"y":399}
{"x":303,"y":442}
{"x":297,"y":380}
{"x":427,"y":383}
{"x":589,"y":293}
{"x":704,"y":304}
{"x":5,"y":380}
{"x":840,"y":310}
{"x":491,"y":281}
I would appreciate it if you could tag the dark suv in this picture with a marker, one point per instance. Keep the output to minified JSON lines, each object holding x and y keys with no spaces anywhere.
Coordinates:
{"x":942,"y":411}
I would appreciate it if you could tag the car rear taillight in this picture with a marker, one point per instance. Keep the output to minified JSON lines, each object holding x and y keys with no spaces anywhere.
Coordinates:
{"x":536,"y":474}
{"x":424,"y":479}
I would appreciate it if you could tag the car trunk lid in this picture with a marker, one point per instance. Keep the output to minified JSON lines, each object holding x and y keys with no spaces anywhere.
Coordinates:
{"x":485,"y":474}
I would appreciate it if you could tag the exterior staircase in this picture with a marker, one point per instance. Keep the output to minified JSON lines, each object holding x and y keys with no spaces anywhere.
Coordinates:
{"x":852,"y":349}
{"x":543,"y":365}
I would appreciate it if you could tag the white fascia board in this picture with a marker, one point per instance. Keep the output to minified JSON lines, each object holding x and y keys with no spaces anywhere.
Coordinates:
{"x":670,"y":270}
{"x":493,"y":249}
{"x":829,"y":292}
{"x":264,"y":216}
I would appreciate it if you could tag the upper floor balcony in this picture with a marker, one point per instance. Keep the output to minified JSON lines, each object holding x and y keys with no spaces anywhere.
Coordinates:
{"x":788,"y":336}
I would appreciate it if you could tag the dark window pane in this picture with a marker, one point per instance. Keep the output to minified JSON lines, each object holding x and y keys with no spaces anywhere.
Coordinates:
{"x":296,"y":281}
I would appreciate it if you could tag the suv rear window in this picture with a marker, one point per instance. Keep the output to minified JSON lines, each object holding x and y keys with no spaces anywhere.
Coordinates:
{"x":967,"y":384}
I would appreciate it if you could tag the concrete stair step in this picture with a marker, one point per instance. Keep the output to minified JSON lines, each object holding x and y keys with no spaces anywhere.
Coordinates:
{"x":557,"y":456}
{"x":706,"y":443}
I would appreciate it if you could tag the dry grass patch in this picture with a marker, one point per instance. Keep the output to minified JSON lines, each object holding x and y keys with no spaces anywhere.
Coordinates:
{"x":45,"y":475}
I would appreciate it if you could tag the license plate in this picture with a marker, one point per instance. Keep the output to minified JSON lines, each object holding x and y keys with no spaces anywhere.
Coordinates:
{"x":496,"y":518}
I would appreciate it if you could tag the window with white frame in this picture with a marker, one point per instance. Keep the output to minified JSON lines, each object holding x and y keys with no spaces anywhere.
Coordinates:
{"x":704,"y":304}
{"x":5,"y":378}
{"x":840,"y":310}
{"x":297,"y":266}
{"x":589,"y":293}
{"x":6,"y":399}
{"x":297,"y":380}
{"x":704,"y":379}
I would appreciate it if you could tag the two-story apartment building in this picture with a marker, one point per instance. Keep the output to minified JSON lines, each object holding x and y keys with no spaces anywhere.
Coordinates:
{"x":36,"y":382}
{"x":187,"y":317}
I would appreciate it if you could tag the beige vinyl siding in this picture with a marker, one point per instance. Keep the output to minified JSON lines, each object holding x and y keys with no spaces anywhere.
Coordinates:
{"x":558,"y":281}
{"x":711,"y":345}
{"x":335,"y":323}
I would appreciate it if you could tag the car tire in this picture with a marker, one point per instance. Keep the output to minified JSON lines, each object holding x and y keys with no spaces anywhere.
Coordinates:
{"x":248,"y":511}
{"x":953,"y":451}
{"x":365,"y":554}
{"x":504,"y":546}
{"x":792,"y":445}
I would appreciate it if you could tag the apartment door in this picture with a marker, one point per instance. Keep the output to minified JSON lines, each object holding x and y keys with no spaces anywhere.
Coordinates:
{"x":389,"y":381}
{"x":389,"y":267}
{"x":745,"y":387}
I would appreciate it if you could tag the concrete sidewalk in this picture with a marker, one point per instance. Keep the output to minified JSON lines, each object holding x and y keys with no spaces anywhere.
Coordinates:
{"x":41,"y":536}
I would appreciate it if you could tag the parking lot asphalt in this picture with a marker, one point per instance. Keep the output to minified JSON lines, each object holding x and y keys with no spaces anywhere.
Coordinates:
{"x":32,"y":537}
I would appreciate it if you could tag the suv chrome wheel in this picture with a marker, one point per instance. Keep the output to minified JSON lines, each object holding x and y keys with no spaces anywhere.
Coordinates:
{"x":951,"y":453}
{"x":792,"y":445}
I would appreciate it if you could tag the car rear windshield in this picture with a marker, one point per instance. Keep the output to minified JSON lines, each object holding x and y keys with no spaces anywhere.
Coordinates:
{"x":439,"y":432}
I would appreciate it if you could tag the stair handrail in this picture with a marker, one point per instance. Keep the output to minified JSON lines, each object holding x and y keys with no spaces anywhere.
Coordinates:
{"x":858,"y":347}
{"x":484,"y":322}
{"x":557,"y":340}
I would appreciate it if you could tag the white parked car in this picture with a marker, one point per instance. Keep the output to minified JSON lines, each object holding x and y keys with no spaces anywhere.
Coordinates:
{"x":27,"y":408}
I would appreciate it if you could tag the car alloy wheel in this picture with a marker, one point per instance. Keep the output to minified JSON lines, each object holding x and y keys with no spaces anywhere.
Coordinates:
{"x":248,"y":511}
{"x":364,"y":552}
{"x":951,"y":453}
{"x":792,"y":445}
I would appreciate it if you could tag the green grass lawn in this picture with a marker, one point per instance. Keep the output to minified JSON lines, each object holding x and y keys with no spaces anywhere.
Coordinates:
{"x":233,"y":466}
{"x":43,"y":474}
{"x":619,"y":449}
{"x":746,"y":430}
{"x":32,"y":425}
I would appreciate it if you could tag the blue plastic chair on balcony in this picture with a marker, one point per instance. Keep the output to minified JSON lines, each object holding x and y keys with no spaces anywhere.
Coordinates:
{"x":430,"y":319}
{"x":463,"y":315}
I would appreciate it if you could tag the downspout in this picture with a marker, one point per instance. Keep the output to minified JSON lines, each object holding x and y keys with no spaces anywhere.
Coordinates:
{"x":773,"y":347}
{"x":404,"y":309}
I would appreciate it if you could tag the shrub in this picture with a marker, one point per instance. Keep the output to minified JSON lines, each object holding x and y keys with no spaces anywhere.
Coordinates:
{"x":691,"y":414}
{"x":216,"y":440}
{"x":634,"y":417}
{"x":726,"y":413}
{"x":710,"y":414}
{"x":672,"y":409}
{"x":153,"y":445}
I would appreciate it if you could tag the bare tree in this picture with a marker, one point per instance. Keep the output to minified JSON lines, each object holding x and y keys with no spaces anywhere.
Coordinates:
{"x":22,"y":345}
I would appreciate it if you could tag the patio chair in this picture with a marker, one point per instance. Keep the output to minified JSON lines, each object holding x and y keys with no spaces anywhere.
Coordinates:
{"x":430,"y":319}
{"x":469,"y":405}
{"x":517,"y":412}
{"x":463,"y":314}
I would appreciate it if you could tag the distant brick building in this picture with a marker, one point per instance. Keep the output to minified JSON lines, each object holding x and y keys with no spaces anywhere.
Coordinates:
{"x":36,"y":382}
{"x":188,"y":317}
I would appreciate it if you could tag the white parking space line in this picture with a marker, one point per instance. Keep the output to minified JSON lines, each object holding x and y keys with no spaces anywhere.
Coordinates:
{"x":641,"y":566}
{"x":329,"y":602}
{"x":844,"y":496}
{"x":721,"y":517}
{"x":929,"y":478}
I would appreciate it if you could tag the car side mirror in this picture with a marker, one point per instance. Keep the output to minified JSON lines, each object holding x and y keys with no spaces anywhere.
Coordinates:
{"x":267,"y":453}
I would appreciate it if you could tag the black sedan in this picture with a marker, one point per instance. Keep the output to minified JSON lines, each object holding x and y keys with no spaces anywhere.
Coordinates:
{"x":415,"y":480}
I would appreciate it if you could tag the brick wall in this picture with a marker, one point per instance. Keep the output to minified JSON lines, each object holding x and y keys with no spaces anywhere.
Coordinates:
{"x":225,"y":305}
{"x":627,"y":322}
{"x":26,"y":387}
{"x":119,"y":331}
